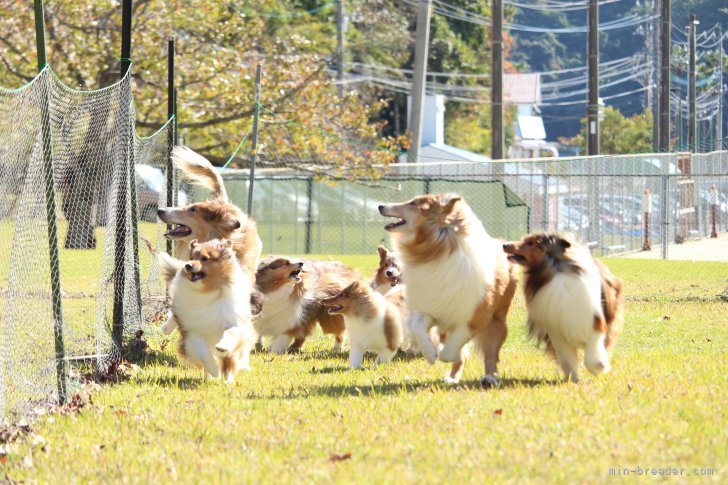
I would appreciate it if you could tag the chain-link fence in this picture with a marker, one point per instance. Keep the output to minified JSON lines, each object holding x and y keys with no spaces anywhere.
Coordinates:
{"x":648,"y":205}
{"x":69,"y":268}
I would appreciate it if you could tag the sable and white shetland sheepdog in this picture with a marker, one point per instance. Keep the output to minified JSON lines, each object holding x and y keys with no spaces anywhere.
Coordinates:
{"x":373,"y":322}
{"x":293,"y":293}
{"x":573,"y":301}
{"x":211,"y":308}
{"x":212,"y":219}
{"x":388,"y":273}
{"x":456,"y":276}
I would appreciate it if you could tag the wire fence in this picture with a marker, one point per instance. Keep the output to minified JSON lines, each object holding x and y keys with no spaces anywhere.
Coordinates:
{"x":70,"y":270}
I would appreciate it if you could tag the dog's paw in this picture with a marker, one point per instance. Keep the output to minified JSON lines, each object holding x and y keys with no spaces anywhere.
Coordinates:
{"x":430,"y":354}
{"x":221,"y":350}
{"x":489,"y":381}
{"x":279,"y":345}
{"x":452,"y":381}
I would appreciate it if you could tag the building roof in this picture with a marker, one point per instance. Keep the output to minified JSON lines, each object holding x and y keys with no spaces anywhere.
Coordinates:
{"x":522,"y":88}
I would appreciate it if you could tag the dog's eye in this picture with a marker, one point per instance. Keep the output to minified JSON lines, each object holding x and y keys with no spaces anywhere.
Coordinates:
{"x":192,"y":209}
{"x":413,"y":203}
{"x":204,"y":259}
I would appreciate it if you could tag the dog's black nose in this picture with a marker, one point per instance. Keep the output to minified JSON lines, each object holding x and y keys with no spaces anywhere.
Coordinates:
{"x":160,"y":212}
{"x":381,"y":208}
{"x":300,"y":264}
{"x":188,"y":267}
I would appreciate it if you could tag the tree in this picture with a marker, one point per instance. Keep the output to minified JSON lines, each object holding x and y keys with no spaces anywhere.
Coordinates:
{"x":219,"y":45}
{"x":618,"y":134}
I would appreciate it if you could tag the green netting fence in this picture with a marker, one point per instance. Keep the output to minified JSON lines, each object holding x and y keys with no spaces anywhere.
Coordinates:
{"x":81,"y":148}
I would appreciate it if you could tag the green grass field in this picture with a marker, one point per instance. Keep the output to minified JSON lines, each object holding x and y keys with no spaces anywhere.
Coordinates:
{"x":662,"y":406}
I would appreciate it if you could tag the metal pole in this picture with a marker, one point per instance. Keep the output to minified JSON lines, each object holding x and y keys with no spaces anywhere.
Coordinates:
{"x":50,"y":196}
{"x":496,"y":149}
{"x":719,"y":129}
{"x":422,"y":41}
{"x":117,"y":331}
{"x":340,"y":31}
{"x":309,"y":213}
{"x":655,"y":58}
{"x":692,"y":91}
{"x":592,"y":110}
{"x":254,"y":144}
{"x":171,"y":132}
{"x":665,"y":52}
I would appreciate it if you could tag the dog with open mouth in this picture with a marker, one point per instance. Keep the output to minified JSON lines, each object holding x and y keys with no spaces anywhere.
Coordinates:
{"x":388,"y":273}
{"x":293,"y":293}
{"x":211,"y":308}
{"x":456,"y":277}
{"x":216,"y":218}
{"x":373,"y":322}
{"x":573,"y":300}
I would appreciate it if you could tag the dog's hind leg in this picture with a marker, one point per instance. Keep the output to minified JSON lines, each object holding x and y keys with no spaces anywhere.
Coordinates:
{"x":198,"y":351}
{"x":385,"y":356}
{"x":356,"y":357}
{"x":490,"y":341}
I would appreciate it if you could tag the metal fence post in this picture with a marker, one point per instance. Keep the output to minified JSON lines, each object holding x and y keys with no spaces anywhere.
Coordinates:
{"x":50,"y":194}
{"x":254,"y":142}
{"x":309,"y":213}
{"x":117,"y":332}
{"x":545,"y":203}
{"x":171,"y":133}
{"x":664,"y":189}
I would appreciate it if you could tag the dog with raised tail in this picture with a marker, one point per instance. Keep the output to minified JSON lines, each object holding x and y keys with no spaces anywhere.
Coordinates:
{"x":211,"y":308}
{"x":215,"y":218}
{"x":373,"y":322}
{"x":574,"y":302}
{"x":456,"y":277}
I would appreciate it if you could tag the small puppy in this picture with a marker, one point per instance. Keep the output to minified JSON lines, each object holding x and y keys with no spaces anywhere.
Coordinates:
{"x":373,"y":322}
{"x":211,"y":308}
{"x":293,"y":293}
{"x":573,"y":301}
{"x":388,"y":273}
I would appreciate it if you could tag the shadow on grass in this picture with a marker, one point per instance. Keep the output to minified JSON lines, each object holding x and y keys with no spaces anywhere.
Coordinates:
{"x":174,"y":382}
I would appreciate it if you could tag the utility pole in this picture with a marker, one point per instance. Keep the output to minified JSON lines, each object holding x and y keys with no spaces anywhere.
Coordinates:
{"x":692,"y":91}
{"x":665,"y":48}
{"x":340,"y":31}
{"x":496,"y":150}
{"x":592,"y":110}
{"x":254,"y":141}
{"x":655,"y":78}
{"x":422,"y":43}
{"x":719,"y":127}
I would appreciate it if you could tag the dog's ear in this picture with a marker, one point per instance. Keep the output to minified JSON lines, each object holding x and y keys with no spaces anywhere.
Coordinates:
{"x":564,"y":243}
{"x":448,"y":202}
{"x":231,"y":225}
{"x":353,"y":286}
{"x":193,"y":243}
{"x":383,"y":252}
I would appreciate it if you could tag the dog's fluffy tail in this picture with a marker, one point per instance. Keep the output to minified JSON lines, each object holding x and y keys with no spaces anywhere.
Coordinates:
{"x":168,"y":266}
{"x":198,"y":170}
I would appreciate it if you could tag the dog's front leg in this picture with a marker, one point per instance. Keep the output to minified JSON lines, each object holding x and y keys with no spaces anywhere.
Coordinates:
{"x":279,"y":345}
{"x":456,"y":340}
{"x":421,"y":324}
{"x":356,"y":357}
{"x":170,"y":325}
{"x":199,"y":352}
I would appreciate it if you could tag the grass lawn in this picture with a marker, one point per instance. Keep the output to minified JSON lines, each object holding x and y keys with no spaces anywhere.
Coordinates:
{"x":663,"y":405}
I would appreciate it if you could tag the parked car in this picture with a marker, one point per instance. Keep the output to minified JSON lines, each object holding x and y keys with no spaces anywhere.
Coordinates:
{"x":150,"y":187}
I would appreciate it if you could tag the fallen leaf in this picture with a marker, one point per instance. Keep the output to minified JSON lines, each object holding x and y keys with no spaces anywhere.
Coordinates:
{"x":339,"y":457}
{"x":498,"y":412}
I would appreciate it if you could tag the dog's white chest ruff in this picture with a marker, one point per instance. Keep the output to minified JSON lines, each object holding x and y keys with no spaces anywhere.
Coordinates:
{"x":368,"y":334}
{"x":565,"y":307}
{"x":449,"y":289}
{"x":209,"y":314}
{"x":280,"y":313}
